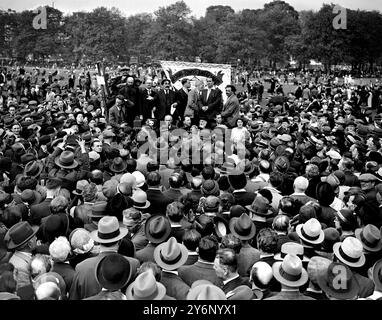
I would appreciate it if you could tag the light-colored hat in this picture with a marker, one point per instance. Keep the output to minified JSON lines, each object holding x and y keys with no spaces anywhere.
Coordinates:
{"x":170,"y":255}
{"x":145,"y":287}
{"x":290,"y":271}
{"x":291,"y":248}
{"x":139,"y":178}
{"x":205,"y":291}
{"x":350,"y":252}
{"x":81,"y":241}
{"x":301,"y":183}
{"x":108,"y":230}
{"x":311,"y":231}
{"x":139,"y":198}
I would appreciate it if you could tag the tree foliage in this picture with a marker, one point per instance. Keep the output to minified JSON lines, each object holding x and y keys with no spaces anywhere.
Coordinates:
{"x":268,"y":35}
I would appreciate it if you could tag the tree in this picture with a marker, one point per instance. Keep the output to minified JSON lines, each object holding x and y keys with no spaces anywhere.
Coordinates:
{"x":170,"y":36}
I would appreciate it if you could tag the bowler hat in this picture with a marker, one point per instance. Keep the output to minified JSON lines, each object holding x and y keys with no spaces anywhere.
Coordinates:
{"x":113,"y":271}
{"x":157,"y":228}
{"x":170,"y":255}
{"x":19,"y":234}
{"x":66,"y":160}
{"x":237,"y":179}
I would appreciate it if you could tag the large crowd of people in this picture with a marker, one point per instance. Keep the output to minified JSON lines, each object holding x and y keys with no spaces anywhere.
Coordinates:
{"x":155,"y":193}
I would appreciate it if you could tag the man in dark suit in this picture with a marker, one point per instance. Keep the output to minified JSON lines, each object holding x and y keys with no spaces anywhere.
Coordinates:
{"x":181,"y":99}
{"x":204,"y":267}
{"x":231,"y":108}
{"x":117,"y":113}
{"x":85,"y":284}
{"x":42,"y":209}
{"x":158,"y":201}
{"x":212,"y":102}
{"x":148,"y":101}
{"x":131,"y":94}
{"x":166,"y":101}
{"x":238,"y":181}
{"x":226,"y":269}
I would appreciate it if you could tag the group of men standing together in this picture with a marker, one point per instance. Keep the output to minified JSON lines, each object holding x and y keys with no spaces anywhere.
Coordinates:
{"x":148,"y":102}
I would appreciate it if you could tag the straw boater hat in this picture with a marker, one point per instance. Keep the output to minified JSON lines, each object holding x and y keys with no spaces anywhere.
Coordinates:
{"x":145,"y":287}
{"x":290,"y":272}
{"x":350,"y":252}
{"x":170,"y":255}
{"x":311,"y":231}
{"x":139,"y":198}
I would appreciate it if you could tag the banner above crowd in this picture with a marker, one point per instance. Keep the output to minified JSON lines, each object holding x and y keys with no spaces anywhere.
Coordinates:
{"x":177,"y":70}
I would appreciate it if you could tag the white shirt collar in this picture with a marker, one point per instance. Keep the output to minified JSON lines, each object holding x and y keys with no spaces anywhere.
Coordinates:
{"x":228,"y":280}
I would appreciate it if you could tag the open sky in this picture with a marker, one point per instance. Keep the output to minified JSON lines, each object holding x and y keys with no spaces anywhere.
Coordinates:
{"x":198,"y":7}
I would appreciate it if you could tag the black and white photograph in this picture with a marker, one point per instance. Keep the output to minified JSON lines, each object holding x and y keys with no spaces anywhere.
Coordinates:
{"x":199,"y":153}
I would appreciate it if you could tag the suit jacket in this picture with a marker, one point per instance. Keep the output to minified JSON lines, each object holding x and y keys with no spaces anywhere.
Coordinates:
{"x":181,"y":98}
{"x":290,"y":295}
{"x":146,"y":254}
{"x":117,"y":117}
{"x":85,"y":283}
{"x":194,"y":104}
{"x":146,"y":105}
{"x":66,"y":271}
{"x":39,"y":211}
{"x":165,"y":102}
{"x":235,"y":283}
{"x":244,"y":198}
{"x":172,"y":194}
{"x":199,"y":270}
{"x":158,"y":201}
{"x":245,"y":260}
{"x":214,"y":103}
{"x":139,"y":238}
{"x":175,"y":286}
{"x":231,"y":110}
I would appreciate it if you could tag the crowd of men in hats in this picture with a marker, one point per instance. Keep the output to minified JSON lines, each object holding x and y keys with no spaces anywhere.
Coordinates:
{"x":291,"y":210}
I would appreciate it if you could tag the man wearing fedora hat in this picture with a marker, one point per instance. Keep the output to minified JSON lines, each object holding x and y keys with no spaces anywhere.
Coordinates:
{"x":145,"y":287}
{"x":171,"y":255}
{"x":157,"y":230}
{"x":113,"y":273}
{"x":350,"y":253}
{"x":21,"y":238}
{"x":108,"y":235}
{"x":244,"y":229}
{"x":291,"y":275}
